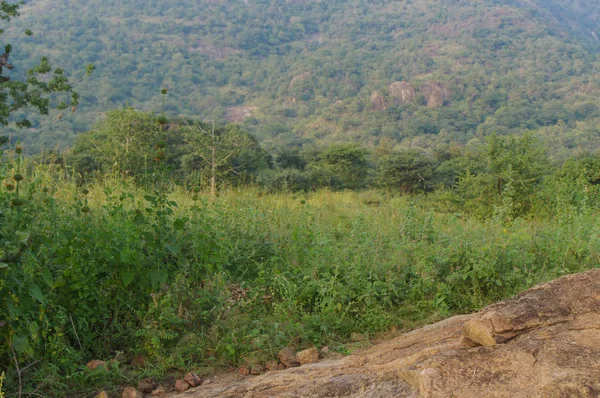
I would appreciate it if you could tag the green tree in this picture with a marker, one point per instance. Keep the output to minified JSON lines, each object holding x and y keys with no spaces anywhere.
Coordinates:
{"x":408,"y":171}
{"x":222,"y":150}
{"x":128,"y":141}
{"x":346,"y":162}
{"x":35,"y":91}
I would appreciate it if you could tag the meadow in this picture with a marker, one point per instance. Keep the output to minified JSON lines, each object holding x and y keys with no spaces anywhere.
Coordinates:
{"x":112,"y":270}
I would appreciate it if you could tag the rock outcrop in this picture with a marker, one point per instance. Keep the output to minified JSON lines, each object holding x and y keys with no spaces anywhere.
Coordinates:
{"x":437,"y":94}
{"x":403,"y":92}
{"x":378,"y":101}
{"x":543,"y":343}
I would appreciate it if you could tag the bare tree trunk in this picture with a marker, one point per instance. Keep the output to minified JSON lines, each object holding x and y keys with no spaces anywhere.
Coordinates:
{"x":213,"y":176}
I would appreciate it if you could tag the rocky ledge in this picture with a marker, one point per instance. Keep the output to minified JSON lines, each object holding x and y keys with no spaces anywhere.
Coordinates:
{"x":544,"y":342}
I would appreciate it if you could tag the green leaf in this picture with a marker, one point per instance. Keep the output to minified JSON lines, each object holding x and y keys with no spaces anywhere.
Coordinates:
{"x":36,"y":293}
{"x":138,"y":219}
{"x":23,"y":237}
{"x":20,"y":344}
{"x":179,"y":224}
{"x":127,"y":276}
{"x":151,"y":199}
{"x":159,"y":276}
{"x":47,"y":277}
{"x":173,"y":249}
{"x":3,"y":265}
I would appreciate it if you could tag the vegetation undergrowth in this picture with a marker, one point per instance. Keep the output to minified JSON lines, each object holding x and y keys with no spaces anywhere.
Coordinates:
{"x":112,"y":270}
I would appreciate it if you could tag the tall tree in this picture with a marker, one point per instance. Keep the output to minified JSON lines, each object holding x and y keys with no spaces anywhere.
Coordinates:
{"x":223,"y":150}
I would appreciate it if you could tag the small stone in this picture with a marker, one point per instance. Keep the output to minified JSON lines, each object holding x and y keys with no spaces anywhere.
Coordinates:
{"x":192,"y":379}
{"x":271,"y":365}
{"x":287,"y":357}
{"x":244,"y":371}
{"x":138,"y":362}
{"x":257,"y":370}
{"x":181,"y":386}
{"x":281,"y":366}
{"x":131,"y":392}
{"x":206,"y":382}
{"x":308,"y":356}
{"x":159,"y":391}
{"x":95,"y":364}
{"x":325,"y":350}
{"x":147,"y":385}
{"x":169,"y":379}
{"x":102,"y":394}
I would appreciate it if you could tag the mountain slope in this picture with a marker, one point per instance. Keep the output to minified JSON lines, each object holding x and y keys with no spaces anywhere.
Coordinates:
{"x":307,"y":70}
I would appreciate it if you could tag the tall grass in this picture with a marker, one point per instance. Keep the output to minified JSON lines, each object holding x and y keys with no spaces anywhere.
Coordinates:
{"x":112,"y":270}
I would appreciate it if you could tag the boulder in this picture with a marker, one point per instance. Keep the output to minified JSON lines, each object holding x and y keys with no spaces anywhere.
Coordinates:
{"x":378,"y":101}
{"x":541,"y":343}
{"x":131,"y":392}
{"x":192,"y":379}
{"x":403,"y":92}
{"x":308,"y":356}
{"x":436,"y":93}
{"x":181,"y":386}
{"x":95,"y":364}
{"x":287,"y":357}
{"x":160,"y":390}
{"x":147,"y":385}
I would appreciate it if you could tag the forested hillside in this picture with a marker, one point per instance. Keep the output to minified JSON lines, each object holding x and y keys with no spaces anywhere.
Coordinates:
{"x":420,"y":73}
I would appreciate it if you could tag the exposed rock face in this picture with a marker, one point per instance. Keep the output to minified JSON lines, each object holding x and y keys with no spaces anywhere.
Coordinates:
{"x":377,"y":101}
{"x":543,"y":343}
{"x":437,"y":94}
{"x":403,"y":92}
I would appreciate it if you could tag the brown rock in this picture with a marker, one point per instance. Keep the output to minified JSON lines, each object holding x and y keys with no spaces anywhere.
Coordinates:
{"x":169,"y":379}
{"x":281,"y":366}
{"x":257,"y":369}
{"x":437,"y":94}
{"x":244,"y":371}
{"x":131,"y":392}
{"x":160,"y":390}
{"x":192,"y":379}
{"x":325,"y":350}
{"x":95,"y":364}
{"x":138,"y":362}
{"x":542,"y":343}
{"x":147,"y":385}
{"x":308,"y":356}
{"x":271,"y":365}
{"x":377,"y":101}
{"x":287,"y":357}
{"x":102,"y":394}
{"x":181,"y":386}
{"x":403,"y":92}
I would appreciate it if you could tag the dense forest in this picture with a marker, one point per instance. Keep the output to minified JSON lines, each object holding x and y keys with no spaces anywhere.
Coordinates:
{"x":417,"y":73}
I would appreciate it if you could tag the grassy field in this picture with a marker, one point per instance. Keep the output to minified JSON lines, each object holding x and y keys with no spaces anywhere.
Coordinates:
{"x":111,"y":271}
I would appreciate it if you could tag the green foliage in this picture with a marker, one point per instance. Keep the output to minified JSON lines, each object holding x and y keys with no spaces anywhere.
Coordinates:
{"x":34,"y":92}
{"x":305,"y":71}
{"x":113,"y":269}
{"x":407,"y":171}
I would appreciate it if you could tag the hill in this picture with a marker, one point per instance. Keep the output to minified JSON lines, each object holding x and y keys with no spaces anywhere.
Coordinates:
{"x":415,"y":73}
